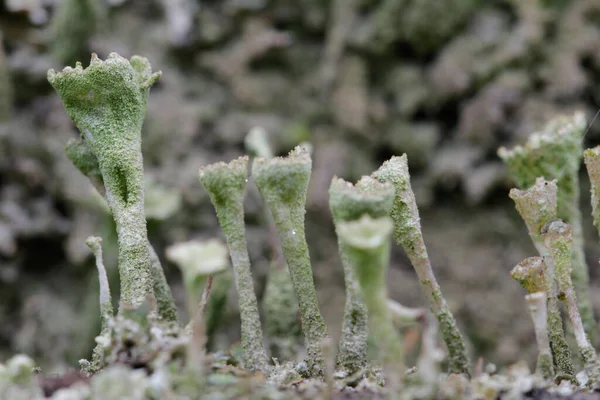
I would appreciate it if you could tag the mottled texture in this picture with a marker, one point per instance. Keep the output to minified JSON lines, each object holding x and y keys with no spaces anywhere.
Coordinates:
{"x":86,"y":162}
{"x":558,"y":236}
{"x":537,"y":206}
{"x":107,"y":102}
{"x":591,"y":158}
{"x":407,"y":233}
{"x":226,"y":184}
{"x":283,"y":183}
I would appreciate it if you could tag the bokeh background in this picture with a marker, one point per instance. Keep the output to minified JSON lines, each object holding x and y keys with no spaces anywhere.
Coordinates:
{"x":446,"y":82}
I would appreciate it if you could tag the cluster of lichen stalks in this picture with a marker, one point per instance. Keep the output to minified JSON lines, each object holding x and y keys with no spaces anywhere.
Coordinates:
{"x":107,"y":100}
{"x":107,"y":103}
{"x":547,"y":166}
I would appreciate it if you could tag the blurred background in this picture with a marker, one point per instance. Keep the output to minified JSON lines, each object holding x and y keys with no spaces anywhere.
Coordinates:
{"x":446,"y":82}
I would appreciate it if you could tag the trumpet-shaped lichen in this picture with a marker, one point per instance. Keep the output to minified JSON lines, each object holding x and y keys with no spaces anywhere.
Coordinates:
{"x":407,"y":233}
{"x":283,"y":184}
{"x":555,"y":153}
{"x":226,"y":184}
{"x":107,"y":103}
{"x":347,"y":203}
{"x":537,"y":206}
{"x":368,"y":243}
{"x":535,"y":275}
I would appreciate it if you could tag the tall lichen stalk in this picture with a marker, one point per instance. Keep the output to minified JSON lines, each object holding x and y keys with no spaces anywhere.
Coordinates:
{"x":556,"y":153}
{"x":407,"y":233}
{"x":283,"y":184}
{"x":226,"y":184}
{"x":107,"y":103}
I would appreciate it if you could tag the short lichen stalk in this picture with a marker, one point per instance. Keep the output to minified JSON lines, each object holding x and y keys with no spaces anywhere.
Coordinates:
{"x":107,"y":102}
{"x":535,"y":275}
{"x":283,"y":184}
{"x":197,"y":260}
{"x":348,"y":203}
{"x":226,"y":184}
{"x":106,"y":308}
{"x":407,"y":233}
{"x":555,"y":153}
{"x":539,"y":314}
{"x":367,"y":242}
{"x":86,"y":162}
{"x":558,"y":236}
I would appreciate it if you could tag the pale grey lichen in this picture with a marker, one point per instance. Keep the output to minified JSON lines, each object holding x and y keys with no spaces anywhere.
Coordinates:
{"x":407,"y":233}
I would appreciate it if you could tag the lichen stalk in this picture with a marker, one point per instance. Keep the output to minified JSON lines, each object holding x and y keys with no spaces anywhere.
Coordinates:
{"x":556,"y":153}
{"x":197,"y":261}
{"x":536,"y":275}
{"x":283,"y":184}
{"x":348,"y":203}
{"x":226,"y":184}
{"x":367,"y":241}
{"x":106,"y":308}
{"x":107,"y":103}
{"x":536,"y":303}
{"x":537,"y":206}
{"x":558,"y":236}
{"x":407,"y":233}
{"x":86,"y":162}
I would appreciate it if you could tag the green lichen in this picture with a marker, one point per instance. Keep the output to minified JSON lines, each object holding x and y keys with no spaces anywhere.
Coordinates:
{"x":407,"y":233}
{"x":226,"y":184}
{"x":367,"y":242}
{"x":107,"y":103}
{"x":283,"y":184}
{"x":556,"y":153}
{"x":558,"y":236}
{"x":86,"y":162}
{"x":348,"y":203}
{"x":281,"y":313}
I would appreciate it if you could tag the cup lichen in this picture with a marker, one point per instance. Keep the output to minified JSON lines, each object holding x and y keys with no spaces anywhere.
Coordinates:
{"x":107,"y":103}
{"x":226,"y":184}
{"x":555,"y":154}
{"x":407,"y":233}
{"x":348,"y":203}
